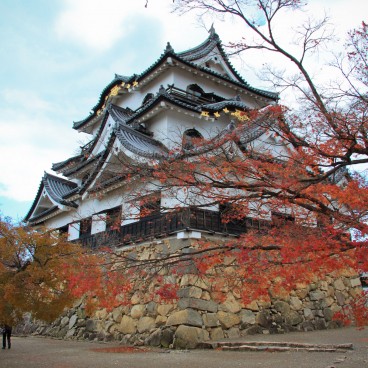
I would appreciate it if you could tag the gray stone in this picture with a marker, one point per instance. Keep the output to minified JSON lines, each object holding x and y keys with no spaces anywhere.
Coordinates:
{"x":328,"y":314}
{"x":146,"y":324}
{"x":151,"y":309}
{"x":228,"y":320}
{"x":154,"y":339}
{"x":340,"y":298}
{"x":64,"y":322}
{"x":204,"y":305}
{"x":308,"y":314}
{"x":185,"y":317}
{"x":264,"y":318}
{"x":316,"y":295}
{"x":167,"y":337}
{"x":293,"y":318}
{"x":72,"y":321}
{"x":210,"y":320}
{"x":320,"y":324}
{"x":253,"y":330}
{"x":233,"y":333}
{"x":217,"y":333}
{"x":91,"y":325}
{"x":296,"y":303}
{"x":187,"y":337}
{"x":190,"y":292}
{"x":247,"y":317}
{"x":70,"y":333}
{"x":282,"y":307}
{"x":117,"y":314}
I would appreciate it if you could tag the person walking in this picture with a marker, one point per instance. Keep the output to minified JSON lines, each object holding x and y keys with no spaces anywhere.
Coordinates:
{"x":7,"y":336}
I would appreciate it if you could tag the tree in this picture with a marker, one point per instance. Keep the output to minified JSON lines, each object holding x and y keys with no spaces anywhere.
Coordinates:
{"x":310,"y":185}
{"x":36,"y":269}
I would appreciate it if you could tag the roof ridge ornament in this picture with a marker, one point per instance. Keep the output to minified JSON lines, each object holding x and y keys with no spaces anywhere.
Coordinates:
{"x":213,"y":34}
{"x":169,"y":48}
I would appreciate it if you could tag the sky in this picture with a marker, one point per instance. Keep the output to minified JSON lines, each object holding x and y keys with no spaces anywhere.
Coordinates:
{"x":57,"y":56}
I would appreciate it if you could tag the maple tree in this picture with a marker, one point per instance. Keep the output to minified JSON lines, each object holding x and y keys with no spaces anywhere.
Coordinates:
{"x":306,"y":179}
{"x":35,"y":267}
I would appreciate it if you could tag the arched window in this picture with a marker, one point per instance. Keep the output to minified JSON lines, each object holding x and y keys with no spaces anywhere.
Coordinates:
{"x":191,"y":138}
{"x":194,"y":91}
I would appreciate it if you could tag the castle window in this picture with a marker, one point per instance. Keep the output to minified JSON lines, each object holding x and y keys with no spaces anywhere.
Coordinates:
{"x":85,"y":227}
{"x":191,"y":139}
{"x":113,"y":218}
{"x":150,"y":205}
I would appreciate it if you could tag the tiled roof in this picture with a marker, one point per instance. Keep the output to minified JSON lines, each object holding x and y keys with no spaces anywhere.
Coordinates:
{"x":139,"y":143}
{"x":56,"y":188}
{"x":187,"y":58}
{"x":70,"y":161}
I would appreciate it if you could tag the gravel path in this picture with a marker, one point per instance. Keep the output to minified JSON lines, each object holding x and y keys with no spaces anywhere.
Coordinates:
{"x":32,"y":352}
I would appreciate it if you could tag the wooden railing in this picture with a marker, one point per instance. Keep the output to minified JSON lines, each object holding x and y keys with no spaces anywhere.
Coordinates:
{"x":164,"y":224}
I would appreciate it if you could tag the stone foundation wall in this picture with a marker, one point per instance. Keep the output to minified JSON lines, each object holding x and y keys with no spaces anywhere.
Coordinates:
{"x":197,"y":315}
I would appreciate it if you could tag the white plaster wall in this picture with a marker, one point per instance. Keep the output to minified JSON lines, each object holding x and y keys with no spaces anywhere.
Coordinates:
{"x":73,"y":231}
{"x":98,"y":223}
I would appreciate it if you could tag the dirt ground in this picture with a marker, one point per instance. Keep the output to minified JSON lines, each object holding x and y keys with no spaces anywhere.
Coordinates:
{"x":32,"y":352}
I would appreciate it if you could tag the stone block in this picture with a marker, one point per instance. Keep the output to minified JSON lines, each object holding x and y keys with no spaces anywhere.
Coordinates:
{"x":91,"y":325}
{"x":187,"y":337}
{"x":146,"y":324}
{"x":317,"y":295}
{"x":340,"y":298}
{"x":247,"y":317}
{"x":230,"y":305}
{"x":160,"y":321}
{"x":137,"y":311}
{"x":194,"y":280}
{"x":355,"y":282}
{"x":117,"y":314}
{"x":282,"y":307}
{"x":217,"y":333}
{"x":64,"y":321}
{"x":293,"y":318}
{"x":151,"y":309}
{"x":308,"y":314}
{"x":185,"y":317}
{"x":328,"y":314}
{"x":339,"y":284}
{"x":228,"y":320}
{"x":190,"y":292}
{"x":199,"y":304}
{"x":164,"y":309}
{"x":127,"y":325}
{"x":210,"y":320}
{"x":167,"y":337}
{"x":233,"y":333}
{"x":264,"y":318}
{"x":253,"y":306}
{"x":72,"y":321}
{"x":296,"y":303}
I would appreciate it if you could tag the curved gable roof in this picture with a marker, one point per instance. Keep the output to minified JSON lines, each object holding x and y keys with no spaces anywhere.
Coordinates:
{"x":56,"y":189}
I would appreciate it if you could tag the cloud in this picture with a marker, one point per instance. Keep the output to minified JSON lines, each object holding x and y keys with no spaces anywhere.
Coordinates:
{"x":29,"y":142}
{"x":96,"y":24}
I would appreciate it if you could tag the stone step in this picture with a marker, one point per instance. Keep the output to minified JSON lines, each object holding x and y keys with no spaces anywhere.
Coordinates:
{"x":276,"y":346}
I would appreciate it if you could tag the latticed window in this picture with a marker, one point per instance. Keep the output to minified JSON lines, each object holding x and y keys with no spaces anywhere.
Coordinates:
{"x":113,"y":218}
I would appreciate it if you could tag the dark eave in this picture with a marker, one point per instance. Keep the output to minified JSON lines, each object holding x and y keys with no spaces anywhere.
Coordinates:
{"x":56,"y":188}
{"x":70,"y":161}
{"x":40,"y":217}
{"x":185,"y":58}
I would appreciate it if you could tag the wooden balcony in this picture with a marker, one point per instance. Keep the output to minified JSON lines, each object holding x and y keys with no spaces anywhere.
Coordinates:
{"x":165,"y":224}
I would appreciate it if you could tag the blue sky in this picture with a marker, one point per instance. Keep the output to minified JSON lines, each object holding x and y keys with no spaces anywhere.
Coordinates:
{"x":57,"y":56}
